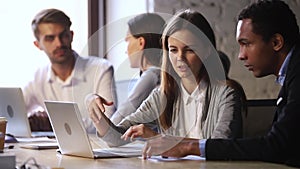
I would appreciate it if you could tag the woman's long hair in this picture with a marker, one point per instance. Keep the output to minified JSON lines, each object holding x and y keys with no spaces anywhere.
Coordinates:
{"x":197,"y":24}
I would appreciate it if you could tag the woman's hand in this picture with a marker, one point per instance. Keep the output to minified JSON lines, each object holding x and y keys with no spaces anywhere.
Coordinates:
{"x":138,"y":131}
{"x":95,"y":105}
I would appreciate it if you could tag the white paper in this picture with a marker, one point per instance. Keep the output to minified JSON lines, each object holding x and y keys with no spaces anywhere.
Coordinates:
{"x":42,"y":145}
{"x":134,"y":148}
{"x":189,"y":157}
{"x":34,"y":139}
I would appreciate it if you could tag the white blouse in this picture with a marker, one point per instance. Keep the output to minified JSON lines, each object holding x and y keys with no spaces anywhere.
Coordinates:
{"x":192,"y":107}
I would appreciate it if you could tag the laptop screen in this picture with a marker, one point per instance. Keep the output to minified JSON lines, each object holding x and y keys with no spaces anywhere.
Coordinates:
{"x":12,"y":106}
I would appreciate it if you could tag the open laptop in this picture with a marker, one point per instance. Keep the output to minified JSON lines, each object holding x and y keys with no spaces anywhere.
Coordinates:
{"x":12,"y":106}
{"x":73,"y":139}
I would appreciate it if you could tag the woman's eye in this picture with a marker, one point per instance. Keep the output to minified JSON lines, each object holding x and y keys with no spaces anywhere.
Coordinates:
{"x":172,"y":50}
{"x":189,"y":50}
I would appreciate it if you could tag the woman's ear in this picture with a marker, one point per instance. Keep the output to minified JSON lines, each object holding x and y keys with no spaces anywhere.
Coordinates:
{"x":277,"y":41}
{"x":142,"y":43}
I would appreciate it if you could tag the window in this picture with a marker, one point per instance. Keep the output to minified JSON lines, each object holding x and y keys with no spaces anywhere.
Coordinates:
{"x":19,"y":57}
{"x":118,"y":13}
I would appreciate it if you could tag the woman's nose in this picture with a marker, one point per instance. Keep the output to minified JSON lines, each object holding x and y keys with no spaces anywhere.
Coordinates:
{"x":180,"y":56}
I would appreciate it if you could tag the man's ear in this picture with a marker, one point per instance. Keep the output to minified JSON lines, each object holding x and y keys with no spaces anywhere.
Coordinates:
{"x":142,"y":43}
{"x":72,"y":35}
{"x":37,"y":44}
{"x":277,"y":41}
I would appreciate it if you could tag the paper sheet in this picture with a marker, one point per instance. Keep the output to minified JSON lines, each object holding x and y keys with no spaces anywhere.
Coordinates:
{"x":40,"y":146}
{"x":34,"y":139}
{"x":189,"y":157}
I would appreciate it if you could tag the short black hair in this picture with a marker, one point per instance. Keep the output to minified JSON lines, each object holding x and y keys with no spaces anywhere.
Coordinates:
{"x":270,"y":17}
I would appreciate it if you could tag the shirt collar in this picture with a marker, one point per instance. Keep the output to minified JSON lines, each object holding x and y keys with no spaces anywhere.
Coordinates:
{"x":77,"y":72}
{"x":282,"y":72}
{"x":196,"y":95}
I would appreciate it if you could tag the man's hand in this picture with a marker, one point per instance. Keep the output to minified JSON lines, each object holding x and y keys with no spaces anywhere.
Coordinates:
{"x":39,"y":121}
{"x":170,"y":146}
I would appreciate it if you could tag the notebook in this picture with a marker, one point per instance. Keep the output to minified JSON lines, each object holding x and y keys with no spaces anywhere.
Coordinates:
{"x":12,"y":106}
{"x":73,"y":139}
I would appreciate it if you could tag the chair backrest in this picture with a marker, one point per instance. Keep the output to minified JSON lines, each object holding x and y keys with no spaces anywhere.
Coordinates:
{"x":259,"y":117}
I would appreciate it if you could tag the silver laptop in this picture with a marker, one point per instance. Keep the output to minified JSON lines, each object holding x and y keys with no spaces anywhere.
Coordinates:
{"x":12,"y":106}
{"x":73,"y":139}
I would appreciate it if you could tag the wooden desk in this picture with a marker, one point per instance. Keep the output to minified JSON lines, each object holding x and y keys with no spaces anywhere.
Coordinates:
{"x":52,"y":159}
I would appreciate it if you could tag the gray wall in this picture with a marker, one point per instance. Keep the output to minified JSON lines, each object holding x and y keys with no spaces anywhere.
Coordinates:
{"x":222,"y":17}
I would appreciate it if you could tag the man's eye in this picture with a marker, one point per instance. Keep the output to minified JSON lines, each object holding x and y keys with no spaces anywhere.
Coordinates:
{"x":49,"y":38}
{"x":244,"y":43}
{"x":65,"y":35}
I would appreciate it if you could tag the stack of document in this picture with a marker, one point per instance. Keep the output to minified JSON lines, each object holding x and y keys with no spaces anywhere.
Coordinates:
{"x":38,"y":143}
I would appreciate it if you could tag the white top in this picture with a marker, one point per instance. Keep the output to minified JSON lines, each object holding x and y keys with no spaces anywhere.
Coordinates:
{"x":220,"y":116}
{"x":90,"y":75}
{"x":192,"y":107}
